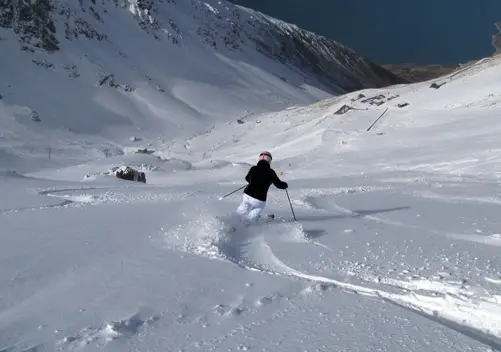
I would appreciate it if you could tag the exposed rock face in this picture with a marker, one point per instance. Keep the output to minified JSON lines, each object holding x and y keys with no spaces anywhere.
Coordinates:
{"x":45,"y":24}
{"x":32,"y":21}
{"x":496,"y":38}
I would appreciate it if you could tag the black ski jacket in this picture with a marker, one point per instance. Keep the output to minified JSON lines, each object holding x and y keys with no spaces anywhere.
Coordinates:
{"x":260,"y":178}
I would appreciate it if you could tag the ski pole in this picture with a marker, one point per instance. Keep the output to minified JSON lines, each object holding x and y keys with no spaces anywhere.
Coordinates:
{"x":229,"y":194}
{"x":290,"y":203}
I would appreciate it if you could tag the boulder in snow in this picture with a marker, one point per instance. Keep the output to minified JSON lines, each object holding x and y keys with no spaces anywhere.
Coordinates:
{"x":343,"y":110}
{"x":437,"y":85}
{"x":144,"y":151}
{"x":130,"y":174}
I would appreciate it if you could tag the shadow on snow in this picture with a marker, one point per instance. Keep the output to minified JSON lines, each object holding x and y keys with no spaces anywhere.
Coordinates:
{"x":316,"y":233}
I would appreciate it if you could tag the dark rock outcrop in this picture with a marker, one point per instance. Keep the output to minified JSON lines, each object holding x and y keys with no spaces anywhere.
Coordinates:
{"x":32,"y":21}
{"x":496,"y":38}
{"x":130,"y":174}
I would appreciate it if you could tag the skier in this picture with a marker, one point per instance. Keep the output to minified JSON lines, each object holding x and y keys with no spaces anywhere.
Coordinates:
{"x":260,"y":177}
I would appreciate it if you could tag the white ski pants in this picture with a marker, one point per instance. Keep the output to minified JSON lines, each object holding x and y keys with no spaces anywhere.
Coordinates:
{"x":250,"y":208}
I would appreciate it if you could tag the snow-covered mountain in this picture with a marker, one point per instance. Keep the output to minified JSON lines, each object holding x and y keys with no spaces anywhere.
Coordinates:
{"x":221,"y":25}
{"x":99,"y":70}
{"x":387,"y":239}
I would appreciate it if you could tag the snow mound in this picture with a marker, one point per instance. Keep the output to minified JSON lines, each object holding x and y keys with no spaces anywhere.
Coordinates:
{"x":111,"y":331}
{"x":199,"y":236}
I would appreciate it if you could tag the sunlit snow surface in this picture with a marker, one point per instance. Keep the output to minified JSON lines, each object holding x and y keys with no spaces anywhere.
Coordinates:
{"x":396,"y":246}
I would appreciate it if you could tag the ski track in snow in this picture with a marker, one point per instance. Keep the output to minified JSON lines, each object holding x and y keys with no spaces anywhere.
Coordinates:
{"x":80,"y":197}
{"x":451,"y":304}
{"x":493,"y":240}
{"x":458,"y":199}
{"x":111,"y":196}
{"x":63,"y":204}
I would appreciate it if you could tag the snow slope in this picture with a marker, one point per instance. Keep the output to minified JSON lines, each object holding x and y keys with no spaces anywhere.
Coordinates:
{"x":83,"y":78}
{"x":395,"y":247}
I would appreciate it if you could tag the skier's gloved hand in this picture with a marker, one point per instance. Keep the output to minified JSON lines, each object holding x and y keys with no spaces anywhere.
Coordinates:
{"x":285,"y":185}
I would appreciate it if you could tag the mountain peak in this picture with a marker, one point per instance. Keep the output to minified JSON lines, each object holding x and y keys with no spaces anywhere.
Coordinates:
{"x":41,"y":24}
